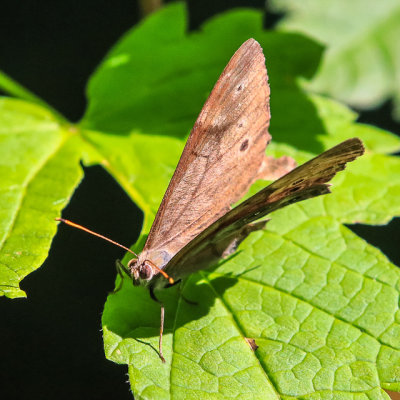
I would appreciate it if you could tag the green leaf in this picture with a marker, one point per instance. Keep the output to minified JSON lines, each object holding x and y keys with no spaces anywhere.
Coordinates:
{"x":320,"y":302}
{"x":362,"y":62}
{"x":339,"y":124}
{"x":39,"y":169}
{"x":322,"y":307}
{"x":143,"y":165}
{"x":161,"y":90}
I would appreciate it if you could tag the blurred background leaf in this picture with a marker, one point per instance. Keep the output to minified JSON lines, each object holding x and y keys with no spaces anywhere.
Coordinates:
{"x":361,"y":65}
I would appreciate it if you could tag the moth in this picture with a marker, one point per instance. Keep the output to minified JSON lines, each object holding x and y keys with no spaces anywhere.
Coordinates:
{"x":224,"y":154}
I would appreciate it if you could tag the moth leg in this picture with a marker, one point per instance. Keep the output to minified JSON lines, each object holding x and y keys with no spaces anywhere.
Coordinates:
{"x":173,"y":284}
{"x":121,"y":270}
{"x":160,"y":352}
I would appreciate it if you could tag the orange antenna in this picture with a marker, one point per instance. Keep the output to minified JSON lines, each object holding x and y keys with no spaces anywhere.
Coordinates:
{"x":73,"y":224}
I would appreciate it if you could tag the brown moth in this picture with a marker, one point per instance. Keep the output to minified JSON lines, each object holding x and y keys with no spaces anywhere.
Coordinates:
{"x":225,"y":153}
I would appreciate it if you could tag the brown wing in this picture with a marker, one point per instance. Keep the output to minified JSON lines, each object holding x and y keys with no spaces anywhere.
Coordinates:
{"x":308,"y":180}
{"x":221,"y":159}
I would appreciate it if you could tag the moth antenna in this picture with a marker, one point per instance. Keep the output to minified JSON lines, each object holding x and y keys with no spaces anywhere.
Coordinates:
{"x":163,"y":273}
{"x":74,"y":225}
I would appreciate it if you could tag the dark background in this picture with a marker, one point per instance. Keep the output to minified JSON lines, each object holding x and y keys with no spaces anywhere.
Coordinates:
{"x":51,"y":342}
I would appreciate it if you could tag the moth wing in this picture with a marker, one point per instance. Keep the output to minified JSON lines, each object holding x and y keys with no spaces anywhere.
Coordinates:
{"x":221,"y":159}
{"x":223,"y":236}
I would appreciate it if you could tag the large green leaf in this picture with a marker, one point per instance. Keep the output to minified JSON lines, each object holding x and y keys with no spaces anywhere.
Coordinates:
{"x":320,"y":302}
{"x":322,"y":307}
{"x":362,"y":64}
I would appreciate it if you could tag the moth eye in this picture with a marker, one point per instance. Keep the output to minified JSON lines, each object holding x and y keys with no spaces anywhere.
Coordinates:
{"x":146,"y":272}
{"x":131,"y":263}
{"x":239,"y":88}
{"x":244,"y":145}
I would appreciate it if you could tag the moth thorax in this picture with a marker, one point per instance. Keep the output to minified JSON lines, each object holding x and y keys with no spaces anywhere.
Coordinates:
{"x":140,"y":272}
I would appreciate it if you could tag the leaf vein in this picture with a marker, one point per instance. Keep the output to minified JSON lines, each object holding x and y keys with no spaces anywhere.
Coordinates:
{"x":240,"y":329}
{"x":318,"y":308}
{"x":24,"y":191}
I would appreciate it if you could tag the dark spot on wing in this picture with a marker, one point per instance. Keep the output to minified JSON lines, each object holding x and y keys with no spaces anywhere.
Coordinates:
{"x":244,"y":145}
{"x":239,"y":88}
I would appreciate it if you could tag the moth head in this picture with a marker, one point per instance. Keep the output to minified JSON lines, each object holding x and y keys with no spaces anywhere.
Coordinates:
{"x":141,"y":272}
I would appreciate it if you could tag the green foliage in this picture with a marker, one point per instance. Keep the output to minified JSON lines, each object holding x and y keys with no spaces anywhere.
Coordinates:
{"x":362,"y":64}
{"x":320,"y":302}
{"x":39,"y":169}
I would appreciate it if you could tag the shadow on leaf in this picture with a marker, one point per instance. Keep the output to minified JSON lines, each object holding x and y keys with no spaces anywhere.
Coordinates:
{"x":131,"y":313}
